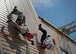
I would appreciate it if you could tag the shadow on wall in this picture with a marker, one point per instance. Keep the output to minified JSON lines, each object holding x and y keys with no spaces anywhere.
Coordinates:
{"x":15,"y":33}
{"x":13,"y":44}
{"x":41,"y":50}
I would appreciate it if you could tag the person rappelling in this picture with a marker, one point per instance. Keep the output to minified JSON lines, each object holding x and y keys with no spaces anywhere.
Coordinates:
{"x":20,"y":17}
{"x":44,"y":35}
{"x":46,"y":40}
{"x":20,"y":24}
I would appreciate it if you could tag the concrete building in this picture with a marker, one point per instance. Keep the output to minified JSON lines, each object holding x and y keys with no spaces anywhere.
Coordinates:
{"x":16,"y":44}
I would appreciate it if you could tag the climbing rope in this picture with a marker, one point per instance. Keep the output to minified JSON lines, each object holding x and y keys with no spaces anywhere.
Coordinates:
{"x":13,"y":3}
{"x":6,"y":6}
{"x":10,"y":5}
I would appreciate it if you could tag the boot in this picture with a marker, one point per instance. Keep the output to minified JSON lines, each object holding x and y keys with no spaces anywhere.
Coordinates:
{"x":32,"y":42}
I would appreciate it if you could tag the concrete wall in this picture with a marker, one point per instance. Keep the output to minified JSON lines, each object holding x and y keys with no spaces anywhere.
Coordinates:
{"x":72,"y":47}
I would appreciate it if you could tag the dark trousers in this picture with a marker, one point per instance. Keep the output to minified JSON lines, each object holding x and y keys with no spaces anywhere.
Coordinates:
{"x":43,"y":35}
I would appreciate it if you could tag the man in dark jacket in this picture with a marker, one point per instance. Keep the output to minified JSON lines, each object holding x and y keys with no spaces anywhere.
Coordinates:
{"x":44,"y":33}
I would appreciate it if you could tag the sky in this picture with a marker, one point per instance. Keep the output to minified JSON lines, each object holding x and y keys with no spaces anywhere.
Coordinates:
{"x":57,"y":12}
